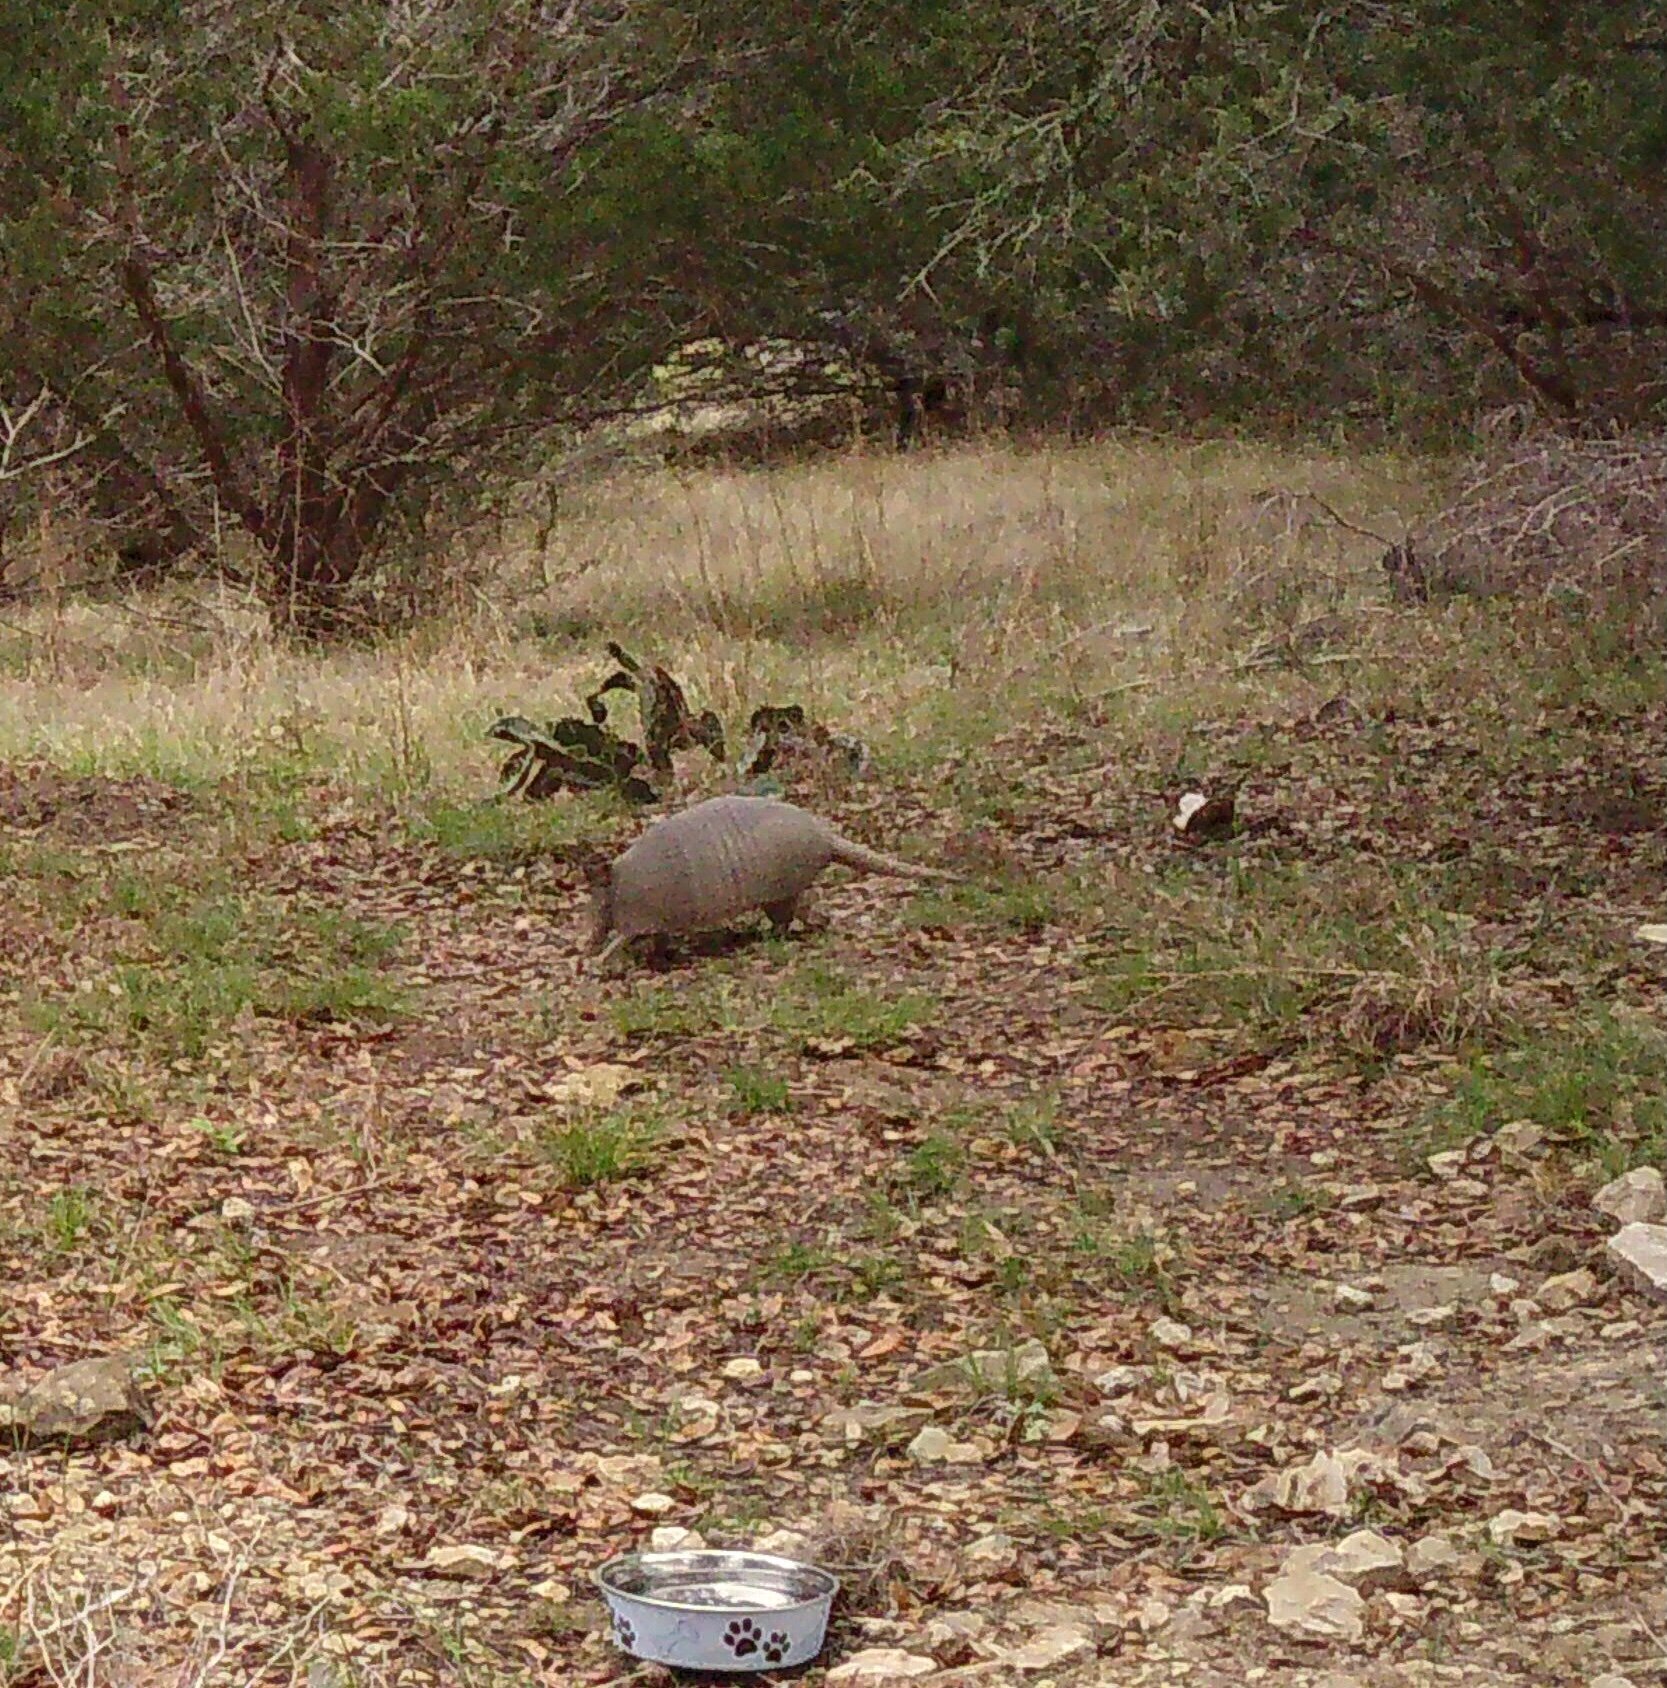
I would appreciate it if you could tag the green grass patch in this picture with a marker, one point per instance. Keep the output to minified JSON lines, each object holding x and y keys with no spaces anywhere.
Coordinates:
{"x":825,"y":1009}
{"x":1600,"y":1085}
{"x":602,"y":1148}
{"x":193,"y":962}
{"x":753,"y":1090}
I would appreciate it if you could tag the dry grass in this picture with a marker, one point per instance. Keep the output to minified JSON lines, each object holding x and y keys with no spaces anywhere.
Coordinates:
{"x":906,"y":598}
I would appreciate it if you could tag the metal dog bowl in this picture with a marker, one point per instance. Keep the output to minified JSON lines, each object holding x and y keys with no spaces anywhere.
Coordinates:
{"x":718,"y":1610}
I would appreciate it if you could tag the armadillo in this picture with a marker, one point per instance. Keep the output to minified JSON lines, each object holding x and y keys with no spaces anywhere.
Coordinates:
{"x":706,"y":865}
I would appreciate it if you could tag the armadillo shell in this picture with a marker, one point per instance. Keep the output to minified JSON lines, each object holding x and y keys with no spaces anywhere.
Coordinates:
{"x":714,"y":862}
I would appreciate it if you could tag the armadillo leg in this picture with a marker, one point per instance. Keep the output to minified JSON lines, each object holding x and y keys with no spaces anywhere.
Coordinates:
{"x":782,"y":914}
{"x":608,"y":951}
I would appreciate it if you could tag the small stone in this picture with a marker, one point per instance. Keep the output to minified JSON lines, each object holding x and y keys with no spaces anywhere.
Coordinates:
{"x":1358,"y":1197}
{"x":1635,"y":1197}
{"x":235,"y":1209}
{"x":392,"y":1519}
{"x":992,"y":1368}
{"x":1610,"y":1680}
{"x":94,"y":1400}
{"x":1566,"y":1290}
{"x":1153,"y":1614}
{"x":787,"y":1544}
{"x":1447,"y":1166}
{"x":653,"y":1504}
{"x":743,"y":1369}
{"x":1431,"y":1556}
{"x":1507,"y":1528}
{"x":466,"y":1559}
{"x":1363,"y":1559}
{"x":950,"y":1627}
{"x":673,"y":1538}
{"x":553,"y":1591}
{"x":1433,"y":1318}
{"x":881,"y":1665}
{"x":1521,"y":1139}
{"x":1312,"y":1604}
{"x":1639,"y":1253}
{"x":1319,"y":1386}
{"x":1347,"y":1299}
{"x":1418,"y":1362}
{"x":1120,"y":1380}
{"x":993,"y":1549}
{"x":1502,"y":1287}
{"x":1171,"y":1335}
{"x":1050,"y":1647}
{"x":930,"y":1444}
{"x":1233,"y":1597}
{"x":1320,"y":1485}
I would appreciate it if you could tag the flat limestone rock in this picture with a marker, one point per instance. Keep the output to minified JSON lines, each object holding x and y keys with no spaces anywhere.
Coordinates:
{"x":880,"y":1665}
{"x":1315,"y":1606}
{"x":91,"y":1400}
{"x":1634,"y":1197}
{"x":1639,"y":1252}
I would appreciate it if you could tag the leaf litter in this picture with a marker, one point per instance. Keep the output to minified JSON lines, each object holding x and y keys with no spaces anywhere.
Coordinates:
{"x":1062,"y":1320}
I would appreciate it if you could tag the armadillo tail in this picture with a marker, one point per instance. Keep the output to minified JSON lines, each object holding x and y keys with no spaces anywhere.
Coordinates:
{"x":857,"y":855}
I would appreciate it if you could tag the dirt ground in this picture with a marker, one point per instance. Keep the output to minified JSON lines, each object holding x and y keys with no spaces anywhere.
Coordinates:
{"x":410,"y":1377}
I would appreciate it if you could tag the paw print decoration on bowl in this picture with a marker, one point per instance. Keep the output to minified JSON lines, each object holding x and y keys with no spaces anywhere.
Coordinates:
{"x":718,"y":1610}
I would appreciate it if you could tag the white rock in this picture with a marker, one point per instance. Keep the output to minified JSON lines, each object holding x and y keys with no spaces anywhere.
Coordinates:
{"x":1501,"y":1286}
{"x":1567,"y":1289}
{"x":1347,"y":1299}
{"x":1639,"y":1253}
{"x":1447,"y":1165}
{"x":933,"y":1445}
{"x":992,"y":1549}
{"x":1510,"y":1526}
{"x":1609,"y":1679}
{"x":743,"y":1369}
{"x":1119,"y":1380}
{"x":1322,"y":1485}
{"x":1635,"y":1197}
{"x":1153,"y":1614}
{"x":237,"y":1208}
{"x":955,"y":1626}
{"x":465,"y":1560}
{"x":1363,"y":1559}
{"x":1357,"y":1197}
{"x":881,"y":1665}
{"x":1310,"y":1603}
{"x":790,"y":1544}
{"x":1431,"y":1556}
{"x":392,"y":1519}
{"x":1233,"y":1597}
{"x":1170,"y":1334}
{"x":673,"y":1538}
{"x":553,"y":1590}
{"x":991,"y":1368}
{"x":653,"y":1504}
{"x":1522,"y":1138}
{"x":1433,"y":1318}
{"x":1050,"y":1647}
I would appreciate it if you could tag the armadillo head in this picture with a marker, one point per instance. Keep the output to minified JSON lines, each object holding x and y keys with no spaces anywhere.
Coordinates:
{"x":599,"y":877}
